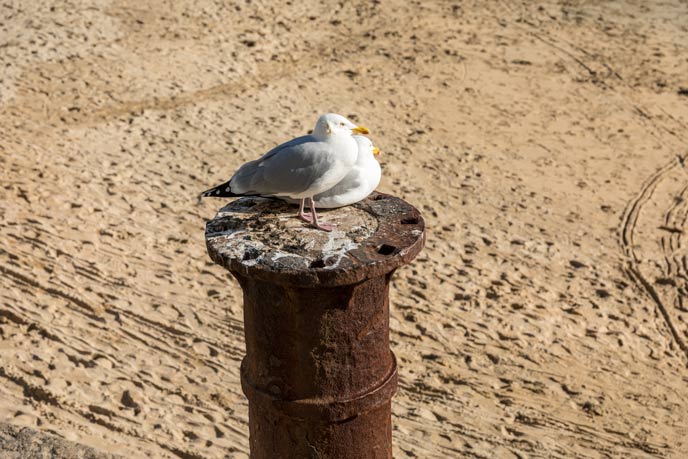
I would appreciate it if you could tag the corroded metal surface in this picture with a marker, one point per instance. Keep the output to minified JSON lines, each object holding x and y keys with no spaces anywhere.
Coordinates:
{"x":318,"y":372}
{"x":262,"y":238}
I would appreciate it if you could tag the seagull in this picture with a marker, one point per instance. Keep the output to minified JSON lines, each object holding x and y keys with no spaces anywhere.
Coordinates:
{"x":300,"y":168}
{"x":361,"y":180}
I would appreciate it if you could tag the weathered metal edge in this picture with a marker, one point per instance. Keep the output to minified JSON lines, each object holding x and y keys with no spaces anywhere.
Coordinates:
{"x":395,"y":229}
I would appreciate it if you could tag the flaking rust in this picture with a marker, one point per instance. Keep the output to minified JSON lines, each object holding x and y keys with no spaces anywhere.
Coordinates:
{"x":318,"y":372}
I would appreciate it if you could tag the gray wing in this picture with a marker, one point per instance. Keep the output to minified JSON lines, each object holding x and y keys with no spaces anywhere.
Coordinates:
{"x":290,"y":168}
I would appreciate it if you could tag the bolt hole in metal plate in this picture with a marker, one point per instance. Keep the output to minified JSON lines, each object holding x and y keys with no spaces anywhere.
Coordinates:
{"x":386,"y":249}
{"x":317,"y":264}
{"x":262,"y":237}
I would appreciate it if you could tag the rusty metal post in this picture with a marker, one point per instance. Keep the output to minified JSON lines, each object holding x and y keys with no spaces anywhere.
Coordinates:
{"x":318,"y":373}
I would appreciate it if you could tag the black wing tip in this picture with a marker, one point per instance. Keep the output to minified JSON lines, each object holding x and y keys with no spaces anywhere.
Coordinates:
{"x":220,"y":191}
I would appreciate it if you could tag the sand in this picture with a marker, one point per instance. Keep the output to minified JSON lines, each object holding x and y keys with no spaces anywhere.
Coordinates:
{"x":547,"y":316}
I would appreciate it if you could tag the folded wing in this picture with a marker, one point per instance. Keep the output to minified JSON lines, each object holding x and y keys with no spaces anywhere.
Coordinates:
{"x":287,"y":170}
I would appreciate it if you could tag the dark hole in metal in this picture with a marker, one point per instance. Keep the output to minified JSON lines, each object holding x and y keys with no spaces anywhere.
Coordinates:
{"x":410,"y":221}
{"x":317,"y":264}
{"x":386,"y":249}
{"x":251,"y":254}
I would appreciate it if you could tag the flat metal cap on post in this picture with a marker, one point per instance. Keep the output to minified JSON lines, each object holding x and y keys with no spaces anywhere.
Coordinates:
{"x":318,"y":372}
{"x":260,"y":237}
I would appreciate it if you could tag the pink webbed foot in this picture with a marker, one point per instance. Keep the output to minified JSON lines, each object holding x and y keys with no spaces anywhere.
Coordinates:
{"x":325,"y":226}
{"x":301,"y":215}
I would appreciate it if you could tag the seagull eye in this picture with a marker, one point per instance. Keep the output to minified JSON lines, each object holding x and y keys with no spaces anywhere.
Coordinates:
{"x":341,"y":124}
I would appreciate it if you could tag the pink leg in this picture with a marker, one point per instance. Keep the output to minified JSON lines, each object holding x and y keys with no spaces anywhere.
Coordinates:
{"x":301,"y":215}
{"x":325,"y":226}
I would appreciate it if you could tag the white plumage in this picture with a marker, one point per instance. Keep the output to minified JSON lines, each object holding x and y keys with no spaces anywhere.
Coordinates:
{"x":361,"y":180}
{"x":301,"y":168}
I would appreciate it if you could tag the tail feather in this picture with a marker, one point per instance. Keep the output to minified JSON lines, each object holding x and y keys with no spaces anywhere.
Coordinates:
{"x":221,"y":191}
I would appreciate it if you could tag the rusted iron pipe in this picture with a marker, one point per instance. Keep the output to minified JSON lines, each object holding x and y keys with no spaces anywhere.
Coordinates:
{"x":318,"y":373}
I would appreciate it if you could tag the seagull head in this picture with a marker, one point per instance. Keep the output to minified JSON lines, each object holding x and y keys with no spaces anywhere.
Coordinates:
{"x":365,"y":145}
{"x":331,"y":124}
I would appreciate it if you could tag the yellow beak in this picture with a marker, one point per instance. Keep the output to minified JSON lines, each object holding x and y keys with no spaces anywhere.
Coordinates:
{"x":360,"y":130}
{"x":376,"y":151}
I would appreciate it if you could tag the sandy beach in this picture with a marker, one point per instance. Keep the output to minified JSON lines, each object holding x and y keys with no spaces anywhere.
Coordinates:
{"x":544,"y":143}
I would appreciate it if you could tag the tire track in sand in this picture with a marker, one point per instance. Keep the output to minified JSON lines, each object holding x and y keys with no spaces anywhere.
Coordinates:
{"x":660,"y":226}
